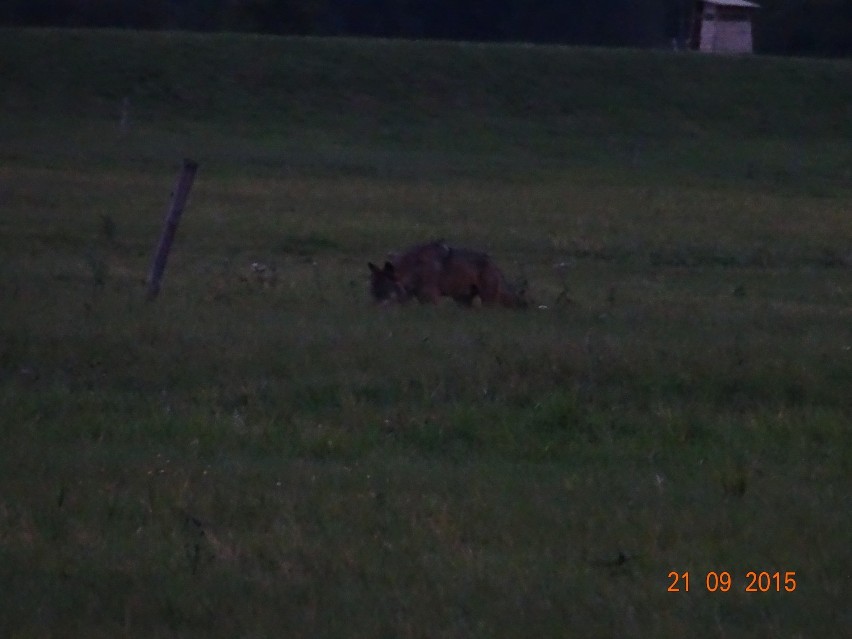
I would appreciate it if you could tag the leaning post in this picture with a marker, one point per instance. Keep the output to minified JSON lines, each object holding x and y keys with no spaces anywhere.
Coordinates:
{"x":176,"y":206}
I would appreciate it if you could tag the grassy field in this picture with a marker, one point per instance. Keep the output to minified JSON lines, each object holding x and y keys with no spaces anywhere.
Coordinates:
{"x":268,"y":454}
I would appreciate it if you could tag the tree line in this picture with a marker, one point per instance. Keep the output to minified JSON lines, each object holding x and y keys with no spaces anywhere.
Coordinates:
{"x":783,"y":27}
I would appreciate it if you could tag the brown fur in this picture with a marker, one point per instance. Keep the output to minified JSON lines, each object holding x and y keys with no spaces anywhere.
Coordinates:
{"x":431,"y":271}
{"x":405,"y":275}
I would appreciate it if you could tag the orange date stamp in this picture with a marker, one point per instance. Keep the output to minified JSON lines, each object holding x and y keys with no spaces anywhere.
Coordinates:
{"x":722,"y":581}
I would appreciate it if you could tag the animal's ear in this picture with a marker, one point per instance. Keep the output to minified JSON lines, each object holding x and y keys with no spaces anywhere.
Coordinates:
{"x":389,"y":269}
{"x":373,"y":268}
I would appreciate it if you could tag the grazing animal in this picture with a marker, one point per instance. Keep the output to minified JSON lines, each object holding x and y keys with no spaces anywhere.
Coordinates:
{"x":408,"y":274}
{"x":434,"y":270}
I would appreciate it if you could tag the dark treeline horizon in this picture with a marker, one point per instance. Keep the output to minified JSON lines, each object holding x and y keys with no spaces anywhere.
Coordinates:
{"x":782,"y":27}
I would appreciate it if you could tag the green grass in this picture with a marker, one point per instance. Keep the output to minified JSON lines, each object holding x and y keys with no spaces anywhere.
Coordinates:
{"x":270,"y":455}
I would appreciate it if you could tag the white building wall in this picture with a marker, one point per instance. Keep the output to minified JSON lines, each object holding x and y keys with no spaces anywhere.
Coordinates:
{"x":726,"y":36}
{"x":731,"y":33}
{"x":733,"y":36}
{"x":708,"y":36}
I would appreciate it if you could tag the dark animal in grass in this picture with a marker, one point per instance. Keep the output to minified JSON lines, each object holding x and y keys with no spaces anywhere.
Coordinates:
{"x":434,"y":270}
{"x":405,"y":274}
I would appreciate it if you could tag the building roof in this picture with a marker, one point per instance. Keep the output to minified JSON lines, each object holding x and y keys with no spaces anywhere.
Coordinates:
{"x":733,"y":3}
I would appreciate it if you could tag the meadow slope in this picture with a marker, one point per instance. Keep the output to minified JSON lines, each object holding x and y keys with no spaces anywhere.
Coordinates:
{"x":264,"y":453}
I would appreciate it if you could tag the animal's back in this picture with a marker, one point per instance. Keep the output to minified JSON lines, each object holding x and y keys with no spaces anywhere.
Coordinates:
{"x":419,"y":269}
{"x":468,"y":274}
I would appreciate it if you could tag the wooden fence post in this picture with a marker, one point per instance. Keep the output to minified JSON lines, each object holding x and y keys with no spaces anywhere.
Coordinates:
{"x":179,"y":195}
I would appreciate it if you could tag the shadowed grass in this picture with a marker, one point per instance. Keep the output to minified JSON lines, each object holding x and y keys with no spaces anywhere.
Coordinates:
{"x":261,"y":452}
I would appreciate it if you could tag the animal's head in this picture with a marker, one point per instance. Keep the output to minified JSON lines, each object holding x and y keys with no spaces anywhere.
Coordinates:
{"x":385,"y":286}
